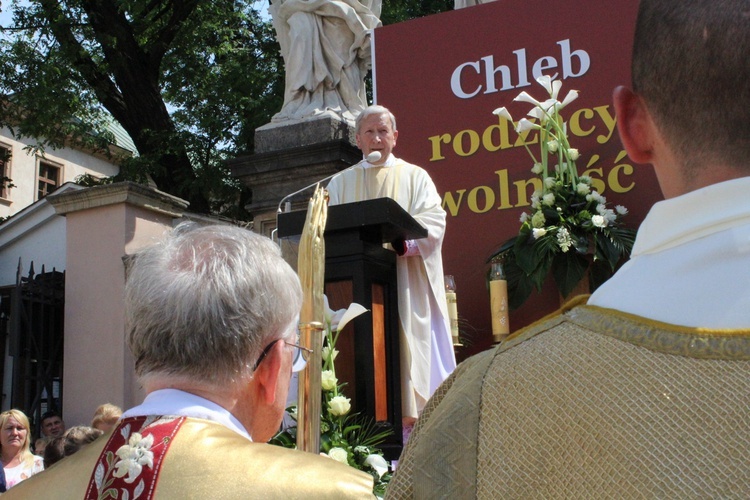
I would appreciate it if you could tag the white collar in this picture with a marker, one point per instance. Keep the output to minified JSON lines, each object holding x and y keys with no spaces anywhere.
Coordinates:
{"x":185,"y":404}
{"x":693,"y":215}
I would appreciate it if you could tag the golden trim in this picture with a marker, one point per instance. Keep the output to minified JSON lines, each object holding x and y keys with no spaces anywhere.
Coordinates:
{"x":701,"y":343}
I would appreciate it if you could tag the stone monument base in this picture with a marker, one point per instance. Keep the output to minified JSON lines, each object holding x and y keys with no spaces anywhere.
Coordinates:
{"x":290,"y":156}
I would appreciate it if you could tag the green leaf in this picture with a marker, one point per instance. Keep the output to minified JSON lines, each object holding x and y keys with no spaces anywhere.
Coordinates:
{"x":568,"y":270}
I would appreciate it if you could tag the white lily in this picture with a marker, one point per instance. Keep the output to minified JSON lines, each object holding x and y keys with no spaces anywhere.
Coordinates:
{"x":572,"y":96}
{"x":503,"y":112}
{"x":338,"y":319}
{"x":525,"y":97}
{"x":133,"y":456}
{"x":378,"y":463}
{"x":546,"y":82}
{"x":551,"y":86}
{"x":524,"y":125}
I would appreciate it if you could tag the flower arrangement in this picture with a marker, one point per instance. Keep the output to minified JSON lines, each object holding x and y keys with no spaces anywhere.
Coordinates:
{"x":345,"y":437}
{"x":570,"y":230}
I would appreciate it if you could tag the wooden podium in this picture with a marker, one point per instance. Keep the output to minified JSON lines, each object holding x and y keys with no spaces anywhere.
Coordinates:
{"x":359,"y":269}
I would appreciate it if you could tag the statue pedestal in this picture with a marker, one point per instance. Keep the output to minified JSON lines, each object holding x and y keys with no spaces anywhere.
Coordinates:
{"x":289,"y":156}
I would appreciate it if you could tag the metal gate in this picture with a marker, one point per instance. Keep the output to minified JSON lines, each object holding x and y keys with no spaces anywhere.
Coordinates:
{"x":36,"y":342}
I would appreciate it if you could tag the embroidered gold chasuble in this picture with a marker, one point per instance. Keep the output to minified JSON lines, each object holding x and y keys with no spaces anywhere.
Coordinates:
{"x":592,"y":403}
{"x":207,"y":460}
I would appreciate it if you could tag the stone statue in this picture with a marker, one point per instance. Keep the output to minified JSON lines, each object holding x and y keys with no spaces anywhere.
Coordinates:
{"x":460,"y":4}
{"x":326,"y":50}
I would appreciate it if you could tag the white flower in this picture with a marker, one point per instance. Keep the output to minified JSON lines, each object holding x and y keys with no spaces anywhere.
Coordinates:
{"x":572,"y":96}
{"x":552,"y":146}
{"x":525,"y":97}
{"x":607,"y":213}
{"x":327,"y":352}
{"x":621,"y":210}
{"x":546,"y":82}
{"x":549,"y":182}
{"x":539,"y":114}
{"x":599,"y":221}
{"x":339,"y":454}
{"x":595,"y":196}
{"x":538,"y":220}
{"x":378,"y":463}
{"x":523,"y":125}
{"x":551,"y":86}
{"x":535,"y":197}
{"x":364,"y":450}
{"x":504,"y":113}
{"x":524,"y":217}
{"x":563,"y":239}
{"x":583,"y":189}
{"x":586,"y":179}
{"x":538,"y":232}
{"x":537,"y":168}
{"x":548,"y":199}
{"x":133,"y":456}
{"x":350,"y":313}
{"x":328,"y":380}
{"x":573,"y":154}
{"x":339,"y":406}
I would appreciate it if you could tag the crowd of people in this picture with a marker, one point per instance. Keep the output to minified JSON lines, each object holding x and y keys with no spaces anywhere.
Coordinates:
{"x":21,"y":461}
{"x":641,"y":392}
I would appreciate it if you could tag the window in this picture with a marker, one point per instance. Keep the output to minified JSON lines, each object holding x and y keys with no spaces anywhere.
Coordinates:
{"x":5,"y":184}
{"x":48,"y":179}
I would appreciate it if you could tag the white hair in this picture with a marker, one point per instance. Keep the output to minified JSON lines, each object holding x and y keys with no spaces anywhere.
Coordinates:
{"x":202,"y":303}
{"x":374,"y":109}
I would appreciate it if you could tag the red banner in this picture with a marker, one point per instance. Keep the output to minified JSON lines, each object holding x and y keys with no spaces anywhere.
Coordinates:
{"x":443,"y":75}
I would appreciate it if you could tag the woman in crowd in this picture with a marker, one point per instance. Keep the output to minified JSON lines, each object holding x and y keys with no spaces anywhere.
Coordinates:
{"x":18,"y":462}
{"x":106,"y":417}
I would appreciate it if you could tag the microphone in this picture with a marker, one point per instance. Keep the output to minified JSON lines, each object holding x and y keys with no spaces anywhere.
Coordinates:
{"x":371,"y":158}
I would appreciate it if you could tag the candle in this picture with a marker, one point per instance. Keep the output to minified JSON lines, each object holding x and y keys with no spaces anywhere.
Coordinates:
{"x":450,"y":297}
{"x":499,"y":302}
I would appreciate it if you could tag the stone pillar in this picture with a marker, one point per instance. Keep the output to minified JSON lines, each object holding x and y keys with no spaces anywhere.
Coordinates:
{"x":290,"y":156}
{"x":105,"y":224}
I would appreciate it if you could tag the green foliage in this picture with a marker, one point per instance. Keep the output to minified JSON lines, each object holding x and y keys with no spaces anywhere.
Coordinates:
{"x":347,"y":437}
{"x":190,"y":81}
{"x":570,"y":232}
{"x":395,"y":11}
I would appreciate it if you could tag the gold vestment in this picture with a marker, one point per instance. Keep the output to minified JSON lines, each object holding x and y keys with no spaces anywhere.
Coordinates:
{"x":591,"y":403}
{"x":209,"y":461}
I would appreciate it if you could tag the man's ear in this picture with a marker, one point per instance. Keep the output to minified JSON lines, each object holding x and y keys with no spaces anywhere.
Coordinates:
{"x":634,"y":124}
{"x":267,"y":374}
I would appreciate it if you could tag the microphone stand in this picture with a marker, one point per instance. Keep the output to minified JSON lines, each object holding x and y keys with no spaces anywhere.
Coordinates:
{"x":372,"y":157}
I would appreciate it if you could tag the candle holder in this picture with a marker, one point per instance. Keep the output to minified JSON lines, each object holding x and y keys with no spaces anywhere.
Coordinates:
{"x":499,"y":302}
{"x":309,"y":387}
{"x":450,"y":297}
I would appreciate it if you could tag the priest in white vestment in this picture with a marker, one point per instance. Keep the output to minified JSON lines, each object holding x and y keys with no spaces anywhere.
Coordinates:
{"x":427,"y":356}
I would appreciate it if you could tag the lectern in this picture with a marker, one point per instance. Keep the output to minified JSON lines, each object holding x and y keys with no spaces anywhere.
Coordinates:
{"x":359,"y":269}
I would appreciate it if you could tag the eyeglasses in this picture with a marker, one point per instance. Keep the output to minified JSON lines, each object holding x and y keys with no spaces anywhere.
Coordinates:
{"x":298,"y":358}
